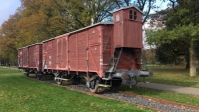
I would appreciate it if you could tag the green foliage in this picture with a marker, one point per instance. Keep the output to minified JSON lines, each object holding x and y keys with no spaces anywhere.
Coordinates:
{"x":8,"y":35}
{"x":149,"y":56}
{"x":182,"y":26}
{"x":165,"y":57}
{"x":179,"y":33}
{"x":41,"y":20}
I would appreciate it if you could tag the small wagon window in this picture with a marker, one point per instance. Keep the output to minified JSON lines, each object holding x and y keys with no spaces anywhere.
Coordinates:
{"x":117,"y":17}
{"x":132,"y":15}
{"x":135,"y":15}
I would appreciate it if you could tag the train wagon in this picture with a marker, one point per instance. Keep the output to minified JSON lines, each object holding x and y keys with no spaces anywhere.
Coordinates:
{"x":30,"y":58}
{"x":35,"y":58}
{"x":48,"y":55}
{"x":23,"y":58}
{"x":104,"y":54}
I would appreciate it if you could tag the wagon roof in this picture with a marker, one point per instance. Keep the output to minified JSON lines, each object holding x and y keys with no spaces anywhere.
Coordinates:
{"x":23,"y":47}
{"x":100,"y":23}
{"x":48,"y":40}
{"x":127,"y":8}
{"x":19,"y":48}
{"x":34,"y":44}
{"x":61,"y":35}
{"x":29,"y":45}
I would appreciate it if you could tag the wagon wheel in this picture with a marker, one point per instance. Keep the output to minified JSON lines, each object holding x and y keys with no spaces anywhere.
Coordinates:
{"x":94,"y":86}
{"x":76,"y":80}
{"x":59,"y":81}
{"x":134,"y":81}
{"x":27,"y":74}
{"x":38,"y":75}
{"x":115,"y":84}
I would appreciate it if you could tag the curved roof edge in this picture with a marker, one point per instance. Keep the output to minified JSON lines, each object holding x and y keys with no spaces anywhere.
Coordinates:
{"x":100,"y":23}
{"x":127,"y":8}
{"x":48,"y":40}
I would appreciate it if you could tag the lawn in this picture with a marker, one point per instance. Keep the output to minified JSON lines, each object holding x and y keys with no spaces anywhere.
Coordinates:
{"x":20,"y":94}
{"x":173,"y":75}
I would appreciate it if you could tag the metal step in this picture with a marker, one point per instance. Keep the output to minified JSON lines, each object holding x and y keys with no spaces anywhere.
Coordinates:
{"x":106,"y":78}
{"x":104,"y":85}
{"x":57,"y":78}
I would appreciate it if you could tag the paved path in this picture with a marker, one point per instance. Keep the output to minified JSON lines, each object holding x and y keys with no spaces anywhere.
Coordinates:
{"x":179,"y":89}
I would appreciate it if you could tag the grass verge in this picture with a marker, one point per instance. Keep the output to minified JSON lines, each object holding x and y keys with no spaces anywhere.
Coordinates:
{"x":165,"y":95}
{"x":19,"y":94}
{"x":173,"y":75}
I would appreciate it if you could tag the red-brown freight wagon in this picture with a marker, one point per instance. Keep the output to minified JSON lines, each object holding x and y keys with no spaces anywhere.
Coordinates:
{"x":23,"y":58}
{"x":35,"y":57}
{"x":55,"y":55}
{"x":30,"y":58}
{"x":104,"y":54}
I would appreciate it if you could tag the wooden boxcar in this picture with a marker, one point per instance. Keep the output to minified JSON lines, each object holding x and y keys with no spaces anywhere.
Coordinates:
{"x":35,"y":58}
{"x":23,"y":58}
{"x":30,"y":58}
{"x":104,"y":54}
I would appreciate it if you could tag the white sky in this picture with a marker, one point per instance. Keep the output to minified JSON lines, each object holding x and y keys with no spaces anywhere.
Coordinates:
{"x":7,"y":8}
{"x":162,"y":5}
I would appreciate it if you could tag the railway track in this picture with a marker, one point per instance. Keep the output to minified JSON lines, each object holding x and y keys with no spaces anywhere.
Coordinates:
{"x":139,"y":100}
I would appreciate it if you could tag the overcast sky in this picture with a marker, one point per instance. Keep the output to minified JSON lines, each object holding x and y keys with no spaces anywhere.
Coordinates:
{"x":7,"y":8}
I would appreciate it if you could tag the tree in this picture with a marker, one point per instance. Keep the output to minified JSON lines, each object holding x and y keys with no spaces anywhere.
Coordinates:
{"x":168,"y":53}
{"x":8,"y":35}
{"x":149,"y":55}
{"x":182,"y":26}
{"x":42,"y":20}
{"x":83,"y":11}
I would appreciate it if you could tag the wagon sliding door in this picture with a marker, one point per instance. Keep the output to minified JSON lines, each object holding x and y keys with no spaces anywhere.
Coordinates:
{"x":25,"y":57}
{"x":47,"y":55}
{"x":38,"y":57}
{"x":94,"y":45}
{"x":61,"y":53}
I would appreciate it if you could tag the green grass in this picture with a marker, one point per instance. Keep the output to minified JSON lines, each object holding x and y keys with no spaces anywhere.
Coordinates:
{"x":19,"y":94}
{"x":165,"y":95}
{"x":173,"y":75}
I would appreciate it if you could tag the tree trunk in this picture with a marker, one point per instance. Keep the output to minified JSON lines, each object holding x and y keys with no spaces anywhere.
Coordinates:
{"x":192,"y":70}
{"x":187,"y":62}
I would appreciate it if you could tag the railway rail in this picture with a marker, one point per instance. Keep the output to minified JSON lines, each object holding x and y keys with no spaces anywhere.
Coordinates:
{"x":139,"y":100}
